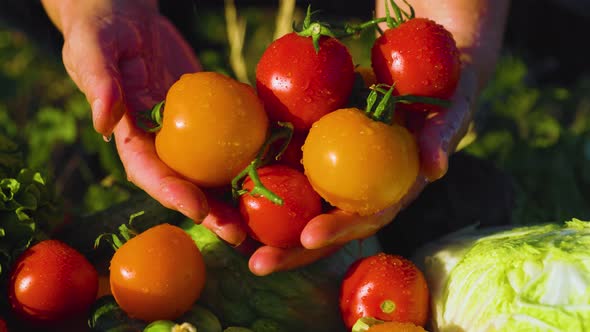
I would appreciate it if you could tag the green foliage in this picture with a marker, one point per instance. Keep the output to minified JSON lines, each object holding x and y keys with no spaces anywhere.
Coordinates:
{"x":29,"y":208}
{"x":541,"y":136}
{"x":42,"y":108}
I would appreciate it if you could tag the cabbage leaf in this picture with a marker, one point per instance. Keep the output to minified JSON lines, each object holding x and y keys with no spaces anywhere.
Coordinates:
{"x":534,"y":278}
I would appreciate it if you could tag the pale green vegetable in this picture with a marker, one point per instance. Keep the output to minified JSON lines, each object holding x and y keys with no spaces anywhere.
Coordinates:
{"x":523,"y":279}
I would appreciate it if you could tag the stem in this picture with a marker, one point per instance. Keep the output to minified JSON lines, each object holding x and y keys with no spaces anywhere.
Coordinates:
{"x":355,"y":29}
{"x":151,"y":122}
{"x":315,"y":30}
{"x":386,"y":107}
{"x":285,"y":131}
{"x":410,"y":99}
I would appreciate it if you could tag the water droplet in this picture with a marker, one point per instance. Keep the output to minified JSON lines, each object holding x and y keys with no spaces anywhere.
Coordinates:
{"x":107,"y":138}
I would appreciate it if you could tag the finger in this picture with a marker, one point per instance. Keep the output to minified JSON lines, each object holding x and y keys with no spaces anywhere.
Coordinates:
{"x":339,"y":227}
{"x":144,"y":168}
{"x":225,"y":221}
{"x":442,"y":130}
{"x":267,"y":260}
{"x":92,"y":65}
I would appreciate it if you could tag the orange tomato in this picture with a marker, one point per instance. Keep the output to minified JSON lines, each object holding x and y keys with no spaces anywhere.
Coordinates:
{"x":158,"y":274}
{"x":213,"y":126}
{"x":395,"y":327}
{"x":358,"y":164}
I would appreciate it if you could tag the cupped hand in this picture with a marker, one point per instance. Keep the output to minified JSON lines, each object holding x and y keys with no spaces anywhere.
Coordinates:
{"x":124,"y":58}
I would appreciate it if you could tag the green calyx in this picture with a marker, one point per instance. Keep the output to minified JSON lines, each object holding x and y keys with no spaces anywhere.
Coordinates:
{"x":381,"y":102}
{"x":315,"y":30}
{"x":151,"y":120}
{"x":400,"y":16}
{"x":283,"y":132}
{"x":365,"y":323}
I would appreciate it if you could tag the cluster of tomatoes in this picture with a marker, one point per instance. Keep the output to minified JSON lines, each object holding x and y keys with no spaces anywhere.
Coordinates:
{"x":337,"y":155}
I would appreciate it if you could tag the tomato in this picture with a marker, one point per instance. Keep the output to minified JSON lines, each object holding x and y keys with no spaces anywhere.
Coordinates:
{"x":385,"y":287}
{"x":395,"y":327}
{"x":280,"y":225}
{"x":157,"y":274}
{"x":50,"y":282}
{"x":420,"y":57}
{"x":298,"y":85}
{"x":3,"y":327}
{"x":213,"y":126}
{"x":358,"y":164}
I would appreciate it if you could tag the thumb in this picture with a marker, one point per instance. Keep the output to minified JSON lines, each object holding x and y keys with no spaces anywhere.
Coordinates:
{"x":92,"y":65}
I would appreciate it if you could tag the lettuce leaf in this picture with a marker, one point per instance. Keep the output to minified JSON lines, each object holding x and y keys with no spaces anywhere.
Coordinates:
{"x":534,"y":278}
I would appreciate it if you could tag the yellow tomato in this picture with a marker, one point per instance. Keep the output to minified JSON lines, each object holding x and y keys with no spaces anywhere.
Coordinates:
{"x":159,"y":274}
{"x":396,"y":327}
{"x":212,"y":127}
{"x":358,"y":164}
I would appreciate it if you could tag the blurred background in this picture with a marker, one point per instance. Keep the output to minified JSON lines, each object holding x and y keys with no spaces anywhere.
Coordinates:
{"x":526,"y":160}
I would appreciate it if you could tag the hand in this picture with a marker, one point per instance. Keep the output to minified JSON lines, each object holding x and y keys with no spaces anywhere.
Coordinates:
{"x":124,"y":57}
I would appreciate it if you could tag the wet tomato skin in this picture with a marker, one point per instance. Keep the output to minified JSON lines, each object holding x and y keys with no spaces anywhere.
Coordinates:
{"x":158,"y":274}
{"x":357,"y":164}
{"x":385,"y":287}
{"x":298,"y":85}
{"x":213,"y":126}
{"x":280,"y":225}
{"x":395,"y":327}
{"x":420,"y":57}
{"x":51,"y":282}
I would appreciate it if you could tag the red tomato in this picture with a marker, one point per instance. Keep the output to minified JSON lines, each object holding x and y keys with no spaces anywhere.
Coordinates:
{"x":50,"y":282}
{"x":280,"y":225}
{"x":420,"y":57}
{"x":298,"y":85}
{"x":385,"y":287}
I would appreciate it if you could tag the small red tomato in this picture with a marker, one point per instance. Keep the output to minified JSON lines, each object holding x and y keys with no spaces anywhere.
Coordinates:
{"x":420,"y":57}
{"x":280,"y":225}
{"x":385,"y":287}
{"x":298,"y":85}
{"x":50,"y":282}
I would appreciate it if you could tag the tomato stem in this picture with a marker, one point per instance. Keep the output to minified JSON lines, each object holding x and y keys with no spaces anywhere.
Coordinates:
{"x":388,"y":306}
{"x":151,"y":122}
{"x":284,"y":131}
{"x":385,"y":108}
{"x":400,"y":16}
{"x":315,"y":30}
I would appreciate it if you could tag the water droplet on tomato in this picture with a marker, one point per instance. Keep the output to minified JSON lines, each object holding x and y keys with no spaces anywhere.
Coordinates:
{"x":107,"y":138}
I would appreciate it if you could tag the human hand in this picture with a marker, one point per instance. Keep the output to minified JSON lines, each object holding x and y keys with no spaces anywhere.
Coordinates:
{"x":124,"y":55}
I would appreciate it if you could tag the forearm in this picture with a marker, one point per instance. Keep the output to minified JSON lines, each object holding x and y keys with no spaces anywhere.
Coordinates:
{"x":476,"y":25}
{"x":62,"y":12}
